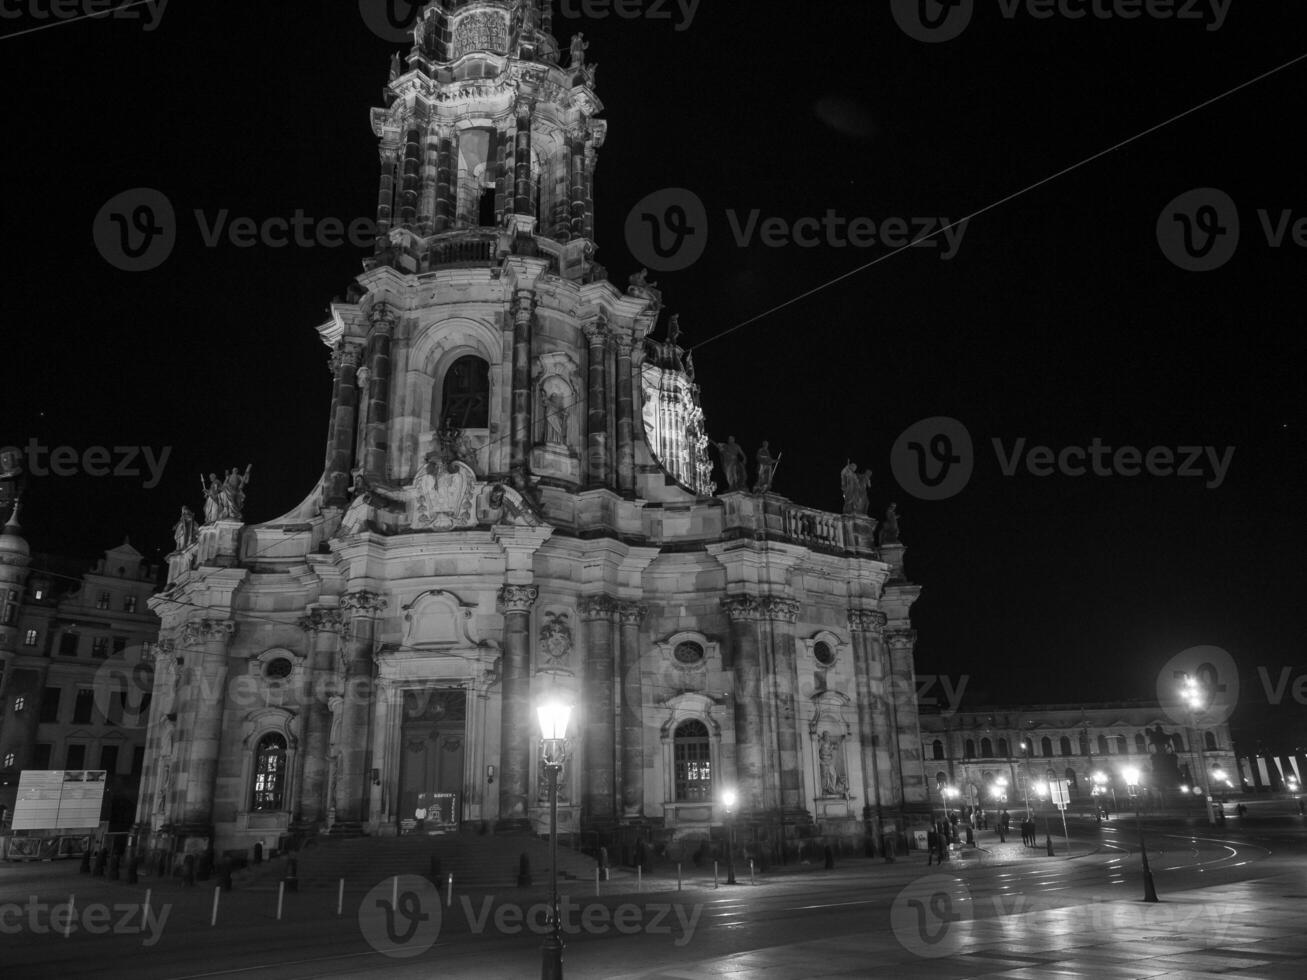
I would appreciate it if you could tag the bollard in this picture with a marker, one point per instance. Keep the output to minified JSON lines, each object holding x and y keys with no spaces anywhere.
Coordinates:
{"x":1048,"y":844}
{"x":639,"y":879}
{"x":145,"y":906}
{"x":449,"y":891}
{"x":86,"y":861}
{"x":678,"y":876}
{"x":213,"y":919}
{"x":281,"y":897}
{"x":340,"y":897}
{"x":830,"y":857}
{"x":596,"y":881}
{"x":751,"y":878}
{"x":224,"y":874}
{"x":72,"y":909}
{"x":292,"y":881}
{"x":524,"y":872}
{"x":714,"y":874}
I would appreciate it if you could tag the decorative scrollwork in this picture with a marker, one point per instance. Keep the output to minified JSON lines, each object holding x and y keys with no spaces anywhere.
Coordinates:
{"x":597,"y":606}
{"x":518,"y":598}
{"x":741,"y":607}
{"x":364,"y":602}
{"x":777,"y":608}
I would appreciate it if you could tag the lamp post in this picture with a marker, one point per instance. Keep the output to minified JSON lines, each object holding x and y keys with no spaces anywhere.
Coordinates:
{"x":1196,"y":698}
{"x":1131,"y":777}
{"x":553,"y":744}
{"x":728,"y":801}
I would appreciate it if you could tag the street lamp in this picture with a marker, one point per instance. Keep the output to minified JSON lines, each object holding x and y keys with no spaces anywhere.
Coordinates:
{"x":553,"y":745}
{"x":1196,"y":698}
{"x":1131,"y":776}
{"x":728,"y":801}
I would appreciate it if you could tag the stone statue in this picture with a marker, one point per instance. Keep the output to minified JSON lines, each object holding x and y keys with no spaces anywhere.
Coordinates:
{"x":673,"y":330}
{"x":579,"y":47}
{"x":689,"y":364}
{"x":830,"y":778}
{"x":337,"y":706}
{"x":212,"y":498}
{"x":641,"y":281}
{"x":419,"y":32}
{"x":733,"y":464}
{"x":394,"y":66}
{"x":165,"y":787}
{"x":767,"y":464}
{"x":184,"y":531}
{"x":889,"y":530}
{"x":854,"y":485}
{"x":232,"y":501}
{"x":555,"y":418}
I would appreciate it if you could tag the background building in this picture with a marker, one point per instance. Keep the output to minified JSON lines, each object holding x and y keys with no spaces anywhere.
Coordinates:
{"x":516,"y":505}
{"x":71,"y":642}
{"x":971,"y":750}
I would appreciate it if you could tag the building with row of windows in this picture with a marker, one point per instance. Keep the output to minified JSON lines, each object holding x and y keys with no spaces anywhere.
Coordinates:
{"x":75,"y":674}
{"x":988,"y":754}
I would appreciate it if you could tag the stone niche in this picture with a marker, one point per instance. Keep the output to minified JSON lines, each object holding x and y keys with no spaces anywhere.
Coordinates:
{"x":558,"y":409}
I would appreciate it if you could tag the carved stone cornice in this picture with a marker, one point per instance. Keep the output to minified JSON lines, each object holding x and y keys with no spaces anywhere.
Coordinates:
{"x":518,"y":598}
{"x":322,"y":621}
{"x":867,"y":621}
{"x":597,"y":606}
{"x":346,"y":355}
{"x":596,"y":331}
{"x":741,"y":607}
{"x":383,"y":319}
{"x":632,"y":613}
{"x":779,"y":609}
{"x":364,"y":603}
{"x":901,"y":638}
{"x":624,"y":344}
{"x":195,"y":631}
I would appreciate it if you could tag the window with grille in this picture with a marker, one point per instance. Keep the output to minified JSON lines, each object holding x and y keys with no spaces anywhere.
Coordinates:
{"x":269,"y":772}
{"x":693,"y":762}
{"x":466,"y":394}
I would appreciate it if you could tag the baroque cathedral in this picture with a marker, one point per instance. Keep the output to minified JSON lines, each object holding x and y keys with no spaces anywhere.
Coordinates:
{"x":516,"y":504}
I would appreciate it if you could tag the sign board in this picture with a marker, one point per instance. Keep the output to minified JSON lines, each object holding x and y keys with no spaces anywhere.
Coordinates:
{"x":1059,"y":790}
{"x":438,"y":809}
{"x":50,"y":800}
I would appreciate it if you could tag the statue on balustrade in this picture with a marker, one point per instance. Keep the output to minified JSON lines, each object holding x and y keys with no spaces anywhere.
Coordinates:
{"x":767,"y":464}
{"x":733,"y":464}
{"x":854,"y":485}
{"x":889,"y":530}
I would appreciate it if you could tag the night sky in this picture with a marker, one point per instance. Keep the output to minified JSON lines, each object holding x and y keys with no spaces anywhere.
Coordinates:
{"x":1059,"y":319}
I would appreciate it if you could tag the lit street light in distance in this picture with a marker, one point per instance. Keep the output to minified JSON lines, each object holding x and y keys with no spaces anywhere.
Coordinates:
{"x":553,"y":717}
{"x":729,"y":799}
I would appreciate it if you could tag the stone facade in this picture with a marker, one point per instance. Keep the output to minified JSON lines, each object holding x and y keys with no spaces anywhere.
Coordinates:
{"x":512,"y":510}
{"x":969,"y":750}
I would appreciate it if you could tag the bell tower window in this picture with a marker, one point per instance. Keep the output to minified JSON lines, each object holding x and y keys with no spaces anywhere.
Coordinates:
{"x":466,"y":394}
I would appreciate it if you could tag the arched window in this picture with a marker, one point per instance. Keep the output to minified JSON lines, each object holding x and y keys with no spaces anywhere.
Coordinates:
{"x":1084,"y":743}
{"x":1002,"y":747}
{"x":9,"y":760}
{"x":938,"y":748}
{"x":1046,"y":747}
{"x":1209,"y":741}
{"x":1064,"y":745}
{"x":1102,"y":745}
{"x":1177,"y":742}
{"x":465,"y":397}
{"x":691,"y":753}
{"x":1141,"y":746}
{"x":1072,"y":782}
{"x":269,"y":773}
{"x":986,"y":749}
{"x":970,"y":749}
{"x":941,"y":779}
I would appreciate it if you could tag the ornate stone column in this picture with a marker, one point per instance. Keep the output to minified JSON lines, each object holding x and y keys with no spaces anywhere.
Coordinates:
{"x":598,"y":740}
{"x":523,"y":185}
{"x":631,"y":772}
{"x":907,"y":731}
{"x":386,"y":194}
{"x":408,"y":200}
{"x":625,"y":418}
{"x":340,"y":433}
{"x":779,"y":665}
{"x":875,"y":736}
{"x":524,"y":302}
{"x":361,"y":609}
{"x":205,"y":642}
{"x":751,"y":728}
{"x":323,"y":627}
{"x":598,"y":465}
{"x":446,"y":180}
{"x":377,"y":444}
{"x":516,"y":717}
{"x":576,"y":183}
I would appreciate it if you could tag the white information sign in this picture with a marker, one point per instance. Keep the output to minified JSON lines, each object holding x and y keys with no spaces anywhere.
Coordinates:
{"x":59,"y":799}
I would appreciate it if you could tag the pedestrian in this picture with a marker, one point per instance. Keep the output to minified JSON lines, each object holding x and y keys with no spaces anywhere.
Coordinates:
{"x":932,"y":845}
